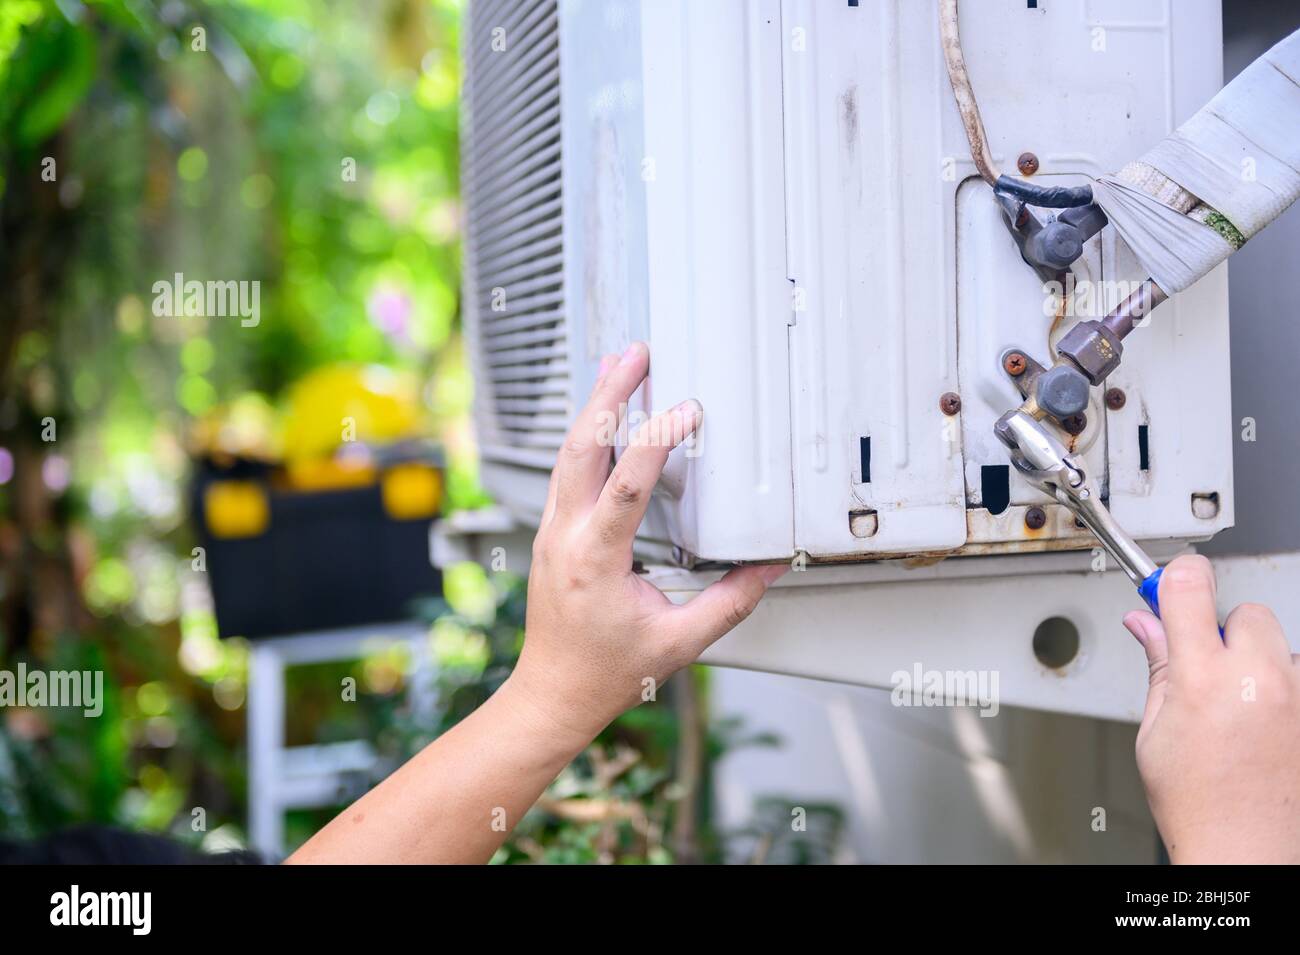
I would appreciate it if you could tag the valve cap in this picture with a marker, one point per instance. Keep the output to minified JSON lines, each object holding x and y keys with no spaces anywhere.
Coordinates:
{"x":1062,"y":391}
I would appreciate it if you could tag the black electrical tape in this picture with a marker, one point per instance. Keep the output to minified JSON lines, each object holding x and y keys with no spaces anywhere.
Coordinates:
{"x":1048,"y":197}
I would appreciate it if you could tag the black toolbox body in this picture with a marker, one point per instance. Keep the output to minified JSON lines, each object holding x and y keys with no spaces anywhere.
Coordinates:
{"x":328,"y":559}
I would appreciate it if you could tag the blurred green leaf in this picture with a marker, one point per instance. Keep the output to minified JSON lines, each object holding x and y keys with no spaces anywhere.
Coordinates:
{"x":49,"y":80}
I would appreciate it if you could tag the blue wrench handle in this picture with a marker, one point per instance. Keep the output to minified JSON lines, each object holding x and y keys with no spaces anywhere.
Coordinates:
{"x":1149,"y":590}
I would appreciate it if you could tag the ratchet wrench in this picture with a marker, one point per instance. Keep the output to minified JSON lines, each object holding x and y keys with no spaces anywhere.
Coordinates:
{"x":1038,"y":456}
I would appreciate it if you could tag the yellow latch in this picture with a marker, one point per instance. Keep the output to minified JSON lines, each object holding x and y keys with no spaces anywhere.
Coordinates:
{"x":411,"y":491}
{"x":236,"y":509}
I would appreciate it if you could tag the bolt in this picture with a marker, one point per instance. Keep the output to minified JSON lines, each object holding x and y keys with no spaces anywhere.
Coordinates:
{"x":1055,"y":245}
{"x":1062,"y":391}
{"x":1074,"y":424}
{"x":950,"y":403}
{"x":1027,"y":164}
{"x":1014,"y":364}
{"x":1115,"y":398}
{"x":1035,"y":518}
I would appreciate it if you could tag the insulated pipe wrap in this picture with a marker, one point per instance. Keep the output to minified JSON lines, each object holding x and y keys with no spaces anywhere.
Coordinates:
{"x":1222,"y":176}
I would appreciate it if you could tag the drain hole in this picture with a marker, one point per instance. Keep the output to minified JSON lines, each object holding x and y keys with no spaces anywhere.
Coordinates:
{"x":864,"y":523}
{"x":995,"y":487}
{"x":1056,"y":642}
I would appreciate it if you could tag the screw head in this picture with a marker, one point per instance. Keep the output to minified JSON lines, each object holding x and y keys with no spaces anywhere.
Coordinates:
{"x":1027,"y":164}
{"x":950,"y":403}
{"x":1074,"y":424}
{"x":1115,"y":398}
{"x":1035,"y":518}
{"x":1014,"y":363}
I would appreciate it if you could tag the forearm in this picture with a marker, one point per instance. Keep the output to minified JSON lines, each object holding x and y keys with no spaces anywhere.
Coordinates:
{"x":458,"y":799}
{"x":598,"y":635}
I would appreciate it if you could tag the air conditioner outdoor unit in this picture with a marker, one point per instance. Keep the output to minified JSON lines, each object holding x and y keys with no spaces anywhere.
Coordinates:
{"x":779,"y":197}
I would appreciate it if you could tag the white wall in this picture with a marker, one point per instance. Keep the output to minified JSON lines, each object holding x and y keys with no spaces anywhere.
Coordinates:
{"x":941,"y":785}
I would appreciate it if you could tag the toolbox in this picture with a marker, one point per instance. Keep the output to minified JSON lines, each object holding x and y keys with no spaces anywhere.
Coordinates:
{"x":285,"y":560}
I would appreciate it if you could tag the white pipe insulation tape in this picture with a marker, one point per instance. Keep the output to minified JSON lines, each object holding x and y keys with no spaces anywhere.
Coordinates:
{"x":1230,"y":170}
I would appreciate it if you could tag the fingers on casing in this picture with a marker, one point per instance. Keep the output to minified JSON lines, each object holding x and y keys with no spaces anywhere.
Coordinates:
{"x":583,"y":462}
{"x":626,"y":494}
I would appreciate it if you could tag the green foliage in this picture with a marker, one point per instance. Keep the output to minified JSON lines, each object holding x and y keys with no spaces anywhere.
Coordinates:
{"x":49,"y":81}
{"x":218,"y":140}
{"x":785,"y":831}
{"x":311,"y":147}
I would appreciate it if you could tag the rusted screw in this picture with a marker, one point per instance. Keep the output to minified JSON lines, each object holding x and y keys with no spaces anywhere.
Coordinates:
{"x":1035,"y":518}
{"x":1115,"y":398}
{"x":1074,"y":424}
{"x":1027,"y":164}
{"x":1014,"y":363}
{"x":950,"y":403}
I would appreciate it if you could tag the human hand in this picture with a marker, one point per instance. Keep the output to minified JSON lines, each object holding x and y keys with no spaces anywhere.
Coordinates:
{"x":1219,"y":744}
{"x":596,"y":631}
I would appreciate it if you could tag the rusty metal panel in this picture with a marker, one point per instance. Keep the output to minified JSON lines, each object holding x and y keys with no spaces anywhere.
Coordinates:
{"x":778,"y":196}
{"x":910,"y":287}
{"x":872,"y":348}
{"x":1108,"y":80}
{"x":1001,"y":305}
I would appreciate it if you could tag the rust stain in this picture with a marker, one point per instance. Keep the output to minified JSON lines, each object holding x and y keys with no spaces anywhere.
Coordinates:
{"x":913,"y":563}
{"x":849,"y":118}
{"x":1007,"y":533}
{"x":919,"y":559}
{"x":1026,"y":546}
{"x":1056,"y":321}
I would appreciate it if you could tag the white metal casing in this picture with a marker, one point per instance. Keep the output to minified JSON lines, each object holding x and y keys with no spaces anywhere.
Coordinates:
{"x":778,"y":196}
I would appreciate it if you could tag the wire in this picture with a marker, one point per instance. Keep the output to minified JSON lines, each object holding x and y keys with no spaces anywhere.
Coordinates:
{"x":1049,"y":197}
{"x":950,"y":36}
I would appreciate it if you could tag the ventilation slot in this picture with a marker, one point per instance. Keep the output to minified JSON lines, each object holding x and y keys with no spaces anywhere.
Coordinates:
{"x":995,"y":487}
{"x":513,"y":246}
